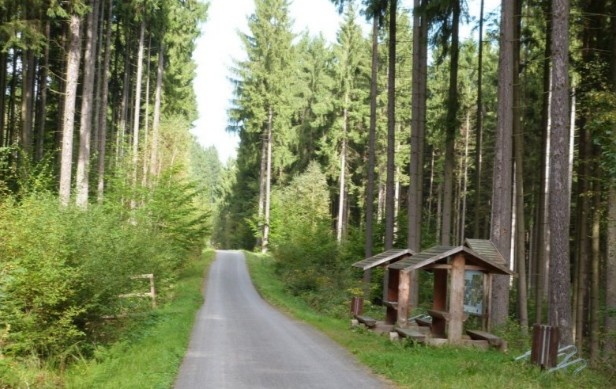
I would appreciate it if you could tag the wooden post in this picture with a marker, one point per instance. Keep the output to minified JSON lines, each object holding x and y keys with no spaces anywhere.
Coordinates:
{"x":456,"y":301}
{"x":487,"y":300}
{"x":403,"y":298}
{"x":544,"y":351}
{"x":392,"y":296}
{"x":487,"y":289}
{"x":440,"y":290}
{"x":440,"y":301}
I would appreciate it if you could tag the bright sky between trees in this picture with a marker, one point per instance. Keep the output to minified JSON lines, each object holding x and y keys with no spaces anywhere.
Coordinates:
{"x":219,"y":45}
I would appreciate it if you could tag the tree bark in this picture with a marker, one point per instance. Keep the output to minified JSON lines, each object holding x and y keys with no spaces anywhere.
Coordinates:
{"x":595,"y":265}
{"x":27,"y":104}
{"x":520,"y":219}
{"x":610,"y":261}
{"x":371,"y":153}
{"x":342,"y":183}
{"x":3,"y":73}
{"x":137,"y":110}
{"x":42,"y":101}
{"x":102,"y":118}
{"x":452,"y":125}
{"x":610,"y":270}
{"x":479,"y":129}
{"x":559,"y":196}
{"x":541,"y":232}
{"x":502,"y":175}
{"x":372,"y":139}
{"x":391,"y":128}
{"x":87,"y":108}
{"x":418,"y":120}
{"x":268,"y":180}
{"x":70,"y":95}
{"x":582,"y":253}
{"x":124,"y":107}
{"x":156,"y":119}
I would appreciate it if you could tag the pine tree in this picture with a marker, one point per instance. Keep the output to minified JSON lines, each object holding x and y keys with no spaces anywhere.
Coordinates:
{"x":262,"y":94}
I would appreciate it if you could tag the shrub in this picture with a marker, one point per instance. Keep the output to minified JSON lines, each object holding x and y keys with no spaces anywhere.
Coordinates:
{"x":62,"y":269}
{"x":308,"y":258}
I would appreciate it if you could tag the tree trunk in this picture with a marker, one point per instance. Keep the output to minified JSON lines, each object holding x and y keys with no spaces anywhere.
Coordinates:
{"x":70,"y":95}
{"x":262,"y":178}
{"x":146,"y":116}
{"x":87,"y":108}
{"x":541,"y":232}
{"x":156,"y":120}
{"x":100,"y":39}
{"x":415,"y":195}
{"x":102,"y":118}
{"x":479,"y":129}
{"x":610,"y":270}
{"x":268,"y":181}
{"x":123,"y":121}
{"x":582,"y":254}
{"x":372,"y":142}
{"x":391,"y":128}
{"x":559,"y":196}
{"x":520,"y":219}
{"x":137,"y":110}
{"x":3,"y":73}
{"x":502,"y":175}
{"x":27,"y":104}
{"x":595,"y":265}
{"x":464,"y":178}
{"x":371,"y":154}
{"x":342,"y":187}
{"x":11,"y":117}
{"x":452,"y":126}
{"x":610,"y":261}
{"x":41,"y":112}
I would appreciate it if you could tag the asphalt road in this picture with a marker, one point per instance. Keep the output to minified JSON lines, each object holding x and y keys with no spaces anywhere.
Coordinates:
{"x":239,"y":341}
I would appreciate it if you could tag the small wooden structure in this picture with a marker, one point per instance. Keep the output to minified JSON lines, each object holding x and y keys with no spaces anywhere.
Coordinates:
{"x":151,"y":294}
{"x":391,"y":288}
{"x":449,"y":264}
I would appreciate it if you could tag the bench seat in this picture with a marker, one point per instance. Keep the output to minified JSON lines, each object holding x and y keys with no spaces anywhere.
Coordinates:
{"x":366,"y":320}
{"x":411,"y":333}
{"x":492,"y":339}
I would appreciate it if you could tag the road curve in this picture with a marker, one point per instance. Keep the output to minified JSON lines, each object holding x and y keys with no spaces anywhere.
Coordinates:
{"x":239,"y":341}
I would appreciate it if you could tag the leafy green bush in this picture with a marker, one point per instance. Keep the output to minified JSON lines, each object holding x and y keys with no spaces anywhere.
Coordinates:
{"x":62,"y":269}
{"x":308,"y":258}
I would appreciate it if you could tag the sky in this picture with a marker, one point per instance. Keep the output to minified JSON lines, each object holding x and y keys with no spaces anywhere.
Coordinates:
{"x":219,"y":46}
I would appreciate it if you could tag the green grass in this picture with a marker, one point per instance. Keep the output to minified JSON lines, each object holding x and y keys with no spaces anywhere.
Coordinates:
{"x":152,"y":353}
{"x":416,"y":366}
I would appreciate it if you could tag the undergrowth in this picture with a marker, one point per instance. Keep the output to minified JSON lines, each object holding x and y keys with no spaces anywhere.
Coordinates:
{"x":409,"y":365}
{"x":146,"y":353}
{"x":150,"y":355}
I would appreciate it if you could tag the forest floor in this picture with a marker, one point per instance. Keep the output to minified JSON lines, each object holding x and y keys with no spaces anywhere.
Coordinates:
{"x":411,"y":366}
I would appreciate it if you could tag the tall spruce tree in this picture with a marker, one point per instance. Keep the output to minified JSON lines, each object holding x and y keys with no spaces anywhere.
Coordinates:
{"x":262,"y":94}
{"x":559,"y":194}
{"x":350,"y":72}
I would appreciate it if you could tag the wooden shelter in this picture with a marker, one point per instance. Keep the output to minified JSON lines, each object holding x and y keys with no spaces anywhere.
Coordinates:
{"x":449,"y":264}
{"x":391,"y":288}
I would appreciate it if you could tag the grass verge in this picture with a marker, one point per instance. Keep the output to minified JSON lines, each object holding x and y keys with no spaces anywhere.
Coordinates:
{"x":151,"y":355}
{"x":415,"y":366}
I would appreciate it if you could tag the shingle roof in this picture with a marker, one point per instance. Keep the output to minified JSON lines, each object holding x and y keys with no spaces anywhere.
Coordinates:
{"x":383,"y":258}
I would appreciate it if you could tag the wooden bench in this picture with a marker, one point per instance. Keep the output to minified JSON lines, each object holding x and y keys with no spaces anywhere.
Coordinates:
{"x":411,"y":334}
{"x":423,"y":321}
{"x":391,"y":304}
{"x":366,"y":320}
{"x":492,"y":339}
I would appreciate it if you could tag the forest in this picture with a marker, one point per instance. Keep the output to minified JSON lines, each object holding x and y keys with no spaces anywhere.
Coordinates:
{"x":414,"y":136}
{"x":408,"y":136}
{"x":98,"y":169}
